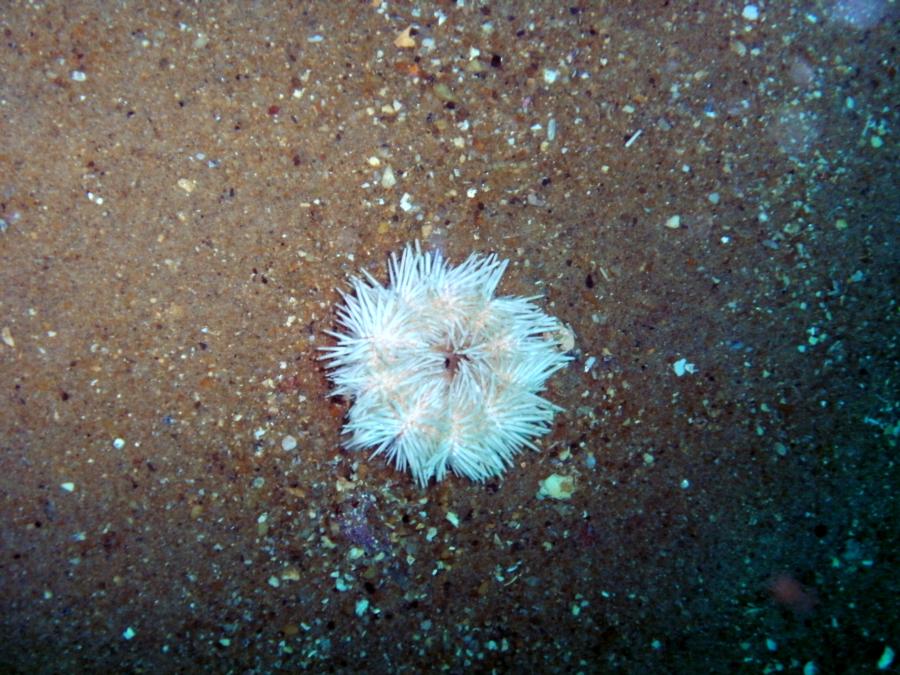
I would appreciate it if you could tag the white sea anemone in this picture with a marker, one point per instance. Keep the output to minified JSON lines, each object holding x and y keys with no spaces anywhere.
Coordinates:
{"x":442,"y":374}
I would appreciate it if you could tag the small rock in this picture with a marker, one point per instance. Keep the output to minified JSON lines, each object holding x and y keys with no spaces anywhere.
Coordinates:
{"x":556,"y":486}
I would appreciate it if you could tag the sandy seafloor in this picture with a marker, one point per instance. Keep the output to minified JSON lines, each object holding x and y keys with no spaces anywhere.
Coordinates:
{"x":708,"y":188}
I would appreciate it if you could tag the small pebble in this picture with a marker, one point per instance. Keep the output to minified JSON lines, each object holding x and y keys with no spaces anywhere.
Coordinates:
{"x":288,"y":443}
{"x":187,"y":184}
{"x":683,"y":366}
{"x":404,"y":40}
{"x":388,"y":178}
{"x":674,"y":222}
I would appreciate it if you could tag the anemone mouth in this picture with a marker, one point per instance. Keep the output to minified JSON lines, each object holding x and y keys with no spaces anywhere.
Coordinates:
{"x":453,"y":350}
{"x":452,"y":360}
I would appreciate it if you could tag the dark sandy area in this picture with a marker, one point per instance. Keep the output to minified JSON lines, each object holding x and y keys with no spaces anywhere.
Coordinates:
{"x":705,"y":192}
